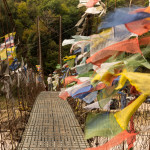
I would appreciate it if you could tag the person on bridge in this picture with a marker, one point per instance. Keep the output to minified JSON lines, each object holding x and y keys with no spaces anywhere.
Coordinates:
{"x":50,"y":85}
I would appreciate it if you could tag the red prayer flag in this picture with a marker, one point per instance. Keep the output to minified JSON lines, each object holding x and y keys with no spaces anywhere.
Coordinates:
{"x":131,"y":140}
{"x":64,"y":95}
{"x":71,"y":79}
{"x":91,"y":3}
{"x":118,"y":139}
{"x":99,"y":86}
{"x":144,"y":41}
{"x":139,"y":27}
{"x":129,"y":46}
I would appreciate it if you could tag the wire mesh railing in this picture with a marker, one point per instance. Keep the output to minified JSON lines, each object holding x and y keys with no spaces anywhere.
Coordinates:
{"x":18,"y":92}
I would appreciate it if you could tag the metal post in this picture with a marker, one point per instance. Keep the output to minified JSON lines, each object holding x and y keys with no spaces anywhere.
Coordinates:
{"x":115,"y":4}
{"x":106,"y":3}
{"x":40,"y":52}
{"x":39,"y":35}
{"x":123,"y":146}
{"x":130,"y":3}
{"x":60,"y":41}
{"x":87,"y":22}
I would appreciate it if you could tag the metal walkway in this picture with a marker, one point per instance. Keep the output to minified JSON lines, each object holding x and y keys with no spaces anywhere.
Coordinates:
{"x":52,"y":126}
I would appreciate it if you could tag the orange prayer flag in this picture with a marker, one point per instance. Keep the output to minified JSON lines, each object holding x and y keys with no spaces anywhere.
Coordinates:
{"x":63,"y":95}
{"x":118,"y":139}
{"x":139,"y":27}
{"x":144,"y":40}
{"x":129,"y":46}
{"x":71,"y":79}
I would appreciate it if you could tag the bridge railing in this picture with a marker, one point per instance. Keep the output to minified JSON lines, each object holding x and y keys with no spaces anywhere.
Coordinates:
{"x":18,"y":92}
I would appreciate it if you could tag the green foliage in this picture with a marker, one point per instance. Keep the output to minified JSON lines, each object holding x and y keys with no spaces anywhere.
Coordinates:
{"x":25,"y":14}
{"x":111,"y":4}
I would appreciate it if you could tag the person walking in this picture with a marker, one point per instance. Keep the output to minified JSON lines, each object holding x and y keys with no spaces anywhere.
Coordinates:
{"x":50,"y":85}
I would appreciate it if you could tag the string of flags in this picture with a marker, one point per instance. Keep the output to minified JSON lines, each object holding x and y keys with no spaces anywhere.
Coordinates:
{"x":104,"y":65}
{"x":8,"y":55}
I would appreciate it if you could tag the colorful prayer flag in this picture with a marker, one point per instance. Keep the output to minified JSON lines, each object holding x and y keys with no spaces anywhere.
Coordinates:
{"x":38,"y":67}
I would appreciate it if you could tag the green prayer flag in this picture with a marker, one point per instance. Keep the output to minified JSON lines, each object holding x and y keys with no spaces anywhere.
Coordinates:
{"x":70,"y":63}
{"x":101,"y":124}
{"x":87,"y":74}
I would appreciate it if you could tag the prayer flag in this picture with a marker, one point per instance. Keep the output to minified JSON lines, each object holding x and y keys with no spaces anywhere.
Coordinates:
{"x":105,"y":95}
{"x":139,"y":27}
{"x":69,"y":57}
{"x":91,"y":3}
{"x":104,"y":70}
{"x":123,"y":117}
{"x":83,"y":68}
{"x":144,"y":40}
{"x":102,"y":124}
{"x":3,"y":54}
{"x":63,"y":95}
{"x":71,"y":79}
{"x":38,"y":67}
{"x":129,"y":46}
{"x":82,"y":90}
{"x":122,"y":16}
{"x":71,"y":90}
{"x":136,"y":79}
{"x":118,"y":139}
{"x":94,"y":105}
{"x":90,"y":97}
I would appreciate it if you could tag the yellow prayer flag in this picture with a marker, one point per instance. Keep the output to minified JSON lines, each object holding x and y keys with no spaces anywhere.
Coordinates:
{"x":10,"y":34}
{"x":96,"y":78}
{"x":102,"y":37}
{"x":123,"y":116}
{"x":122,"y":82}
{"x":11,"y":52}
{"x":10,"y":60}
{"x":103,"y":72}
{"x":3,"y":54}
{"x":141,"y":81}
{"x":69,"y":57}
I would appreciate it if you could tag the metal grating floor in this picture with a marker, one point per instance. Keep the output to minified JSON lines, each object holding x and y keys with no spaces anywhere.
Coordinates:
{"x":52,"y":126}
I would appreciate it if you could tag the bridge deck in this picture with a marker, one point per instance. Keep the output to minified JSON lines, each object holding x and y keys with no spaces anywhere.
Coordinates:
{"x":52,"y":126}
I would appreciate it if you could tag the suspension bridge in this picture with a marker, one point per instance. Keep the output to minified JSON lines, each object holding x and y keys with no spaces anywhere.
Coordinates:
{"x":52,"y":125}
